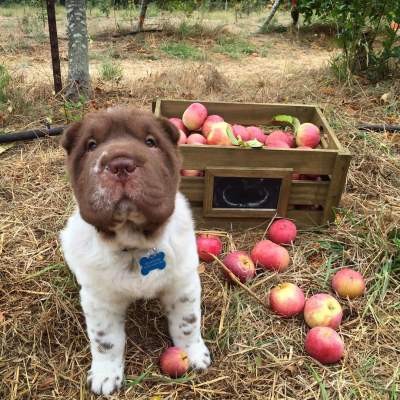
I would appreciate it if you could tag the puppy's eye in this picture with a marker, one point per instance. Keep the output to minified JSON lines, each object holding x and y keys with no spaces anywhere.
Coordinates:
{"x":91,"y":144}
{"x":150,"y":141}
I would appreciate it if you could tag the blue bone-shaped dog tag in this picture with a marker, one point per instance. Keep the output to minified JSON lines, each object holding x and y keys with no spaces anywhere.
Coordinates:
{"x":154,"y":261}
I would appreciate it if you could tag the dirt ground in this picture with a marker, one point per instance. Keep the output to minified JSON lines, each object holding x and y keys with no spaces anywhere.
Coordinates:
{"x":44,"y":352}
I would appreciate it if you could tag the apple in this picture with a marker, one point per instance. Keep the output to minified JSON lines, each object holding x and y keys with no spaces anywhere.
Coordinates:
{"x":240,"y":264}
{"x":323,"y":310}
{"x":348,"y":283}
{"x":179,"y":124}
{"x":196,"y":138}
{"x":308,"y":135}
{"x":280,"y":136}
{"x":277,"y":144}
{"x":182,"y":137}
{"x":218,"y":134}
{"x":208,"y":244}
{"x":192,"y":172}
{"x":174,"y":362}
{"x":194,"y":116}
{"x":324,"y":344}
{"x":271,"y":256}
{"x":286,"y":299}
{"x":256,"y":133}
{"x":282,"y":231}
{"x":210,"y":120}
{"x":240,"y":130}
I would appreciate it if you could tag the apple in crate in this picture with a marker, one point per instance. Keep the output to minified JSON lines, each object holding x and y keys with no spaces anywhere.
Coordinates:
{"x":192,"y":172}
{"x":277,"y":144}
{"x":271,"y":256}
{"x":324,"y":344}
{"x":196,"y":138}
{"x":308,"y":134}
{"x":286,"y":299}
{"x":240,"y":130}
{"x":207,"y":245}
{"x":240,"y":264}
{"x":179,"y":124}
{"x":182,"y":137}
{"x":323,"y":310}
{"x":280,"y":136}
{"x":282,"y":231}
{"x":194,"y":116}
{"x":209,"y":122}
{"x":219,"y":134}
{"x":256,"y":133}
{"x":174,"y":362}
{"x":348,"y":283}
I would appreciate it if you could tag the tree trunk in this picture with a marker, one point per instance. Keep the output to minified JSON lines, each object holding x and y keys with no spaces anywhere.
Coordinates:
{"x":265,"y":25}
{"x":142,"y":15}
{"x":78,"y":57}
{"x":55,"y":55}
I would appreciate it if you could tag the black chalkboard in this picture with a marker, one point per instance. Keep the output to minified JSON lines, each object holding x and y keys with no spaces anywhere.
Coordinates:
{"x":246,"y":193}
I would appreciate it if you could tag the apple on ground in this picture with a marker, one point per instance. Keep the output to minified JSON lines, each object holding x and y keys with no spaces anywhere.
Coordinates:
{"x":196,"y":138}
{"x":280,"y":136}
{"x":282,"y":231}
{"x":324,"y":344}
{"x":240,"y":264}
{"x":218,"y":134}
{"x":308,"y":135}
{"x":256,"y":133}
{"x":192,"y":172}
{"x":348,"y":283}
{"x":194,"y":116}
{"x":208,"y":245}
{"x":179,"y":124}
{"x":286,"y":299}
{"x":271,"y":256}
{"x":240,"y":130}
{"x":323,"y":310}
{"x":210,"y":120}
{"x":174,"y":362}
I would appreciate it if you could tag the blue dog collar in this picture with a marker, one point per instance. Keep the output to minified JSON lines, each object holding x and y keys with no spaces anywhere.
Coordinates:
{"x":153,"y":260}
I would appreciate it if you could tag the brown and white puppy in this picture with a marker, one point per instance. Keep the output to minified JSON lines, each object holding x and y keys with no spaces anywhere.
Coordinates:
{"x":131,"y":235}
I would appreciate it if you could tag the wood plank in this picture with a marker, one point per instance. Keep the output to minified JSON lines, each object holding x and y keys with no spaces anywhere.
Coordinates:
{"x":301,"y":192}
{"x":320,"y":120}
{"x":317,"y":161}
{"x":337,"y":184}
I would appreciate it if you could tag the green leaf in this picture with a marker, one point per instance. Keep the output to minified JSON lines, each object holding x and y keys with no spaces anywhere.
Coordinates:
{"x":254,"y":144}
{"x":289,"y":119}
{"x":231,"y":136}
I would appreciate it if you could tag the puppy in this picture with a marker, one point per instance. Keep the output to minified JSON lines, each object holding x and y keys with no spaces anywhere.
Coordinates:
{"x":131,"y":235}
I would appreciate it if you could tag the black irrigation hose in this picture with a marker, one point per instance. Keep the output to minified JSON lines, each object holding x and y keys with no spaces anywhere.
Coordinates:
{"x":31,"y":135}
{"x":380,"y":128}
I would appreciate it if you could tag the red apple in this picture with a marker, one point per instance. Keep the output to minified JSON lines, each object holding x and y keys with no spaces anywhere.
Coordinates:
{"x":218,"y":134}
{"x":323,"y":310}
{"x":348,"y":283}
{"x":196,"y":138}
{"x":308,"y":135}
{"x":208,"y":244}
{"x":182,"y":137}
{"x":286,"y":299}
{"x":280,"y":136}
{"x":282,"y":231}
{"x":194,"y":116}
{"x":208,"y":123}
{"x":256,"y":133}
{"x":174,"y":362}
{"x":179,"y":124}
{"x":240,"y":130}
{"x":271,"y":256}
{"x":324,"y":344}
{"x":192,"y":172}
{"x":277,"y":144}
{"x":241,"y":265}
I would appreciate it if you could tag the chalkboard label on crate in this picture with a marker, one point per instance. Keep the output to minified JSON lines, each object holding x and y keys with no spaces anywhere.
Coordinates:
{"x":246,"y":193}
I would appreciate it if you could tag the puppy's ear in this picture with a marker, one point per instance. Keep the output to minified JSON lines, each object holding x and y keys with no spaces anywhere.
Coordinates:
{"x":70,"y":135}
{"x":170,"y":129}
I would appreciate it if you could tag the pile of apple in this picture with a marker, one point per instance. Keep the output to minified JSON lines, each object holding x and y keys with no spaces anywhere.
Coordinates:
{"x":322,"y":312}
{"x":197,"y":127}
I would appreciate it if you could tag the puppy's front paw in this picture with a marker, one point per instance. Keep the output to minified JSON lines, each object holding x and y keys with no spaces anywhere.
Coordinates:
{"x":105,"y":378}
{"x":199,"y":356}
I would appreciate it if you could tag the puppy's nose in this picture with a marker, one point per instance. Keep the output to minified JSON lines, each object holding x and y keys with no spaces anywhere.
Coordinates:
{"x":121,"y":167}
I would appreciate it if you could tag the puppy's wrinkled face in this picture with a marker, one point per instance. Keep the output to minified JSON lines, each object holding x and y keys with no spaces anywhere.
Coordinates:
{"x":124,"y":168}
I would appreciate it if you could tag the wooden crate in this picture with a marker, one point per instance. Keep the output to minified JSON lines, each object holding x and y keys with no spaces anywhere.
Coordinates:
{"x":309,"y":203}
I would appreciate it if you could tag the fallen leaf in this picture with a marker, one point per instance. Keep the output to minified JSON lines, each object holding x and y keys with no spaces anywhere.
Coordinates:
{"x":387,"y":97}
{"x":201,"y":268}
{"x":2,"y":317}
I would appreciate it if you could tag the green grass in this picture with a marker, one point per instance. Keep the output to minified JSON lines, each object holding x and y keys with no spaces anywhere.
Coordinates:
{"x":183,"y":51}
{"x":5,"y":79}
{"x":236,"y":47}
{"x":111,"y":71}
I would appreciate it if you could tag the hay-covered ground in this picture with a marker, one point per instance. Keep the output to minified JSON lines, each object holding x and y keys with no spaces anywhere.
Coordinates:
{"x":44,"y":350}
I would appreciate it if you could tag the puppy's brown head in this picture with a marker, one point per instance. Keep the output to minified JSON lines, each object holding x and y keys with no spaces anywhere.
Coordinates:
{"x":124,"y":168}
